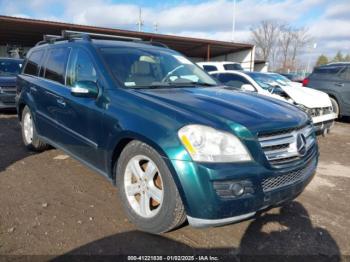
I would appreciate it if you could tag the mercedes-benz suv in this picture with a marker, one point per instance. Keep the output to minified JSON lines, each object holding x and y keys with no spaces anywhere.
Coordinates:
{"x":176,"y":144}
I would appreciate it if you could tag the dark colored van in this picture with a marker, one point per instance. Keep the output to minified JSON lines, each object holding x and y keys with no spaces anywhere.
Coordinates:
{"x":333,"y":79}
{"x":177,"y":145}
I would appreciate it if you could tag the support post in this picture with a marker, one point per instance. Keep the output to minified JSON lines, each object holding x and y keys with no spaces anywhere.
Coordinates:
{"x":208,"y":52}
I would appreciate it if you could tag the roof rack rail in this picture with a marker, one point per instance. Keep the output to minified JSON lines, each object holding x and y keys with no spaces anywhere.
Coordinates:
{"x":154,"y":43}
{"x":88,"y":36}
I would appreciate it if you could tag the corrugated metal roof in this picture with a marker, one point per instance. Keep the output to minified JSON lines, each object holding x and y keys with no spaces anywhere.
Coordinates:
{"x":27,"y":32}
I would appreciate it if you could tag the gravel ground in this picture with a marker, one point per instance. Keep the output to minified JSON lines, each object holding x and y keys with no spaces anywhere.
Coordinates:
{"x":52,"y":205}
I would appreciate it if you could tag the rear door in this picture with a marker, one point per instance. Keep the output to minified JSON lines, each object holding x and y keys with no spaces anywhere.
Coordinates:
{"x":51,"y":84}
{"x":30,"y":80}
{"x":342,"y":87}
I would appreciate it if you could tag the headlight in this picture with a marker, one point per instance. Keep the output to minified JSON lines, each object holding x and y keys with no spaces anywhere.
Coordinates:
{"x":206,"y":144}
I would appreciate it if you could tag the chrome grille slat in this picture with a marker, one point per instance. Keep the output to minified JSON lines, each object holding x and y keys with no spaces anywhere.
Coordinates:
{"x":281,"y":147}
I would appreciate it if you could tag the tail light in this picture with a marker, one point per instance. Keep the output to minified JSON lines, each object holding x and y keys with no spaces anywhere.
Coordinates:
{"x":306,"y":81}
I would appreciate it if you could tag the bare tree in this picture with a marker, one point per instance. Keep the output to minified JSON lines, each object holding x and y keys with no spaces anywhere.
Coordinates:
{"x":264,"y":37}
{"x":279,"y":43}
{"x":301,"y":38}
{"x":285,"y":43}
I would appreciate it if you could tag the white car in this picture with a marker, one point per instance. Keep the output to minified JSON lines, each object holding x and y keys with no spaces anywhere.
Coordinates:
{"x":316,"y":103}
{"x":219,"y":66}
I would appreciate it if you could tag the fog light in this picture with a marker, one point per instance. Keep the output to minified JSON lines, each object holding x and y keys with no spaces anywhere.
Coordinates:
{"x":237,"y":189}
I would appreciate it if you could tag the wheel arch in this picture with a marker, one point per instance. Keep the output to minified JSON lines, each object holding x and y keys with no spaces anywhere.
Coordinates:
{"x":334,"y":96}
{"x":20,"y":108}
{"x":124,"y":140}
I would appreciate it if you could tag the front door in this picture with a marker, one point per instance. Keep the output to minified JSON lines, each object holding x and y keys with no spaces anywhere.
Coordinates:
{"x":81,"y":119}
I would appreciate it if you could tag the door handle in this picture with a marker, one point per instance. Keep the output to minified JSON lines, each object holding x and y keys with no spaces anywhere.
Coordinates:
{"x":33,"y":89}
{"x":339,"y":84}
{"x":61,"y":102}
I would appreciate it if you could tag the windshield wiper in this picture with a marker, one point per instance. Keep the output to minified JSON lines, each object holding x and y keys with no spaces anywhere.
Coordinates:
{"x":190,"y":83}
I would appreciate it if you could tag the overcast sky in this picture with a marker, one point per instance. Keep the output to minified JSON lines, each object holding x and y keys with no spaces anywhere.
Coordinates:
{"x":328,"y":21}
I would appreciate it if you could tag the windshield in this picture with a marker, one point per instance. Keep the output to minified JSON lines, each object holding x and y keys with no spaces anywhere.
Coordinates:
{"x":10,"y":67}
{"x":151,"y":68}
{"x":266,"y":81}
{"x":281,"y":78}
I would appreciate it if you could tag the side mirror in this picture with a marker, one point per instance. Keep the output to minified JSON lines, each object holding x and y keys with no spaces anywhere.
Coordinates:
{"x":87,"y":89}
{"x":248,"y":87}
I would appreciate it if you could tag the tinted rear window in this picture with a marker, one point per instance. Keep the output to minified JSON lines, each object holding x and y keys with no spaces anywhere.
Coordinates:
{"x":233,"y":67}
{"x":55,"y":66}
{"x":33,"y":62}
{"x":209,"y":68}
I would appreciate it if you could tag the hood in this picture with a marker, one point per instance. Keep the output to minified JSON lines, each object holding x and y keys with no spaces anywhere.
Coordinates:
{"x":295,"y":84}
{"x":308,"y":97}
{"x":255,"y":112}
{"x":7,"y":80}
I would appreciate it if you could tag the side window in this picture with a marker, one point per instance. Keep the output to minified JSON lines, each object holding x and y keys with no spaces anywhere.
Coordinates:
{"x":328,"y":71}
{"x":55,"y":65}
{"x":32,"y":65}
{"x":209,"y":68}
{"x":345,"y":74}
{"x":81,"y":68}
{"x":233,"y":80}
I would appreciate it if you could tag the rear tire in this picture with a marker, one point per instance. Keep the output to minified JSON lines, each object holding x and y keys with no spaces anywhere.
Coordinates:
{"x":143,"y":177}
{"x":335,"y":106}
{"x":29,"y":133}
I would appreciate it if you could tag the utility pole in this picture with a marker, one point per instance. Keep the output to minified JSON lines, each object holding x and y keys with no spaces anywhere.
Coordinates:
{"x":140,"y":22}
{"x":311,"y":48}
{"x":233,"y":21}
{"x":155,"y":27}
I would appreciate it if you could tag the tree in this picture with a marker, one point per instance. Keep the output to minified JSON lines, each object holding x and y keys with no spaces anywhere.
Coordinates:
{"x":264,"y":37}
{"x":347,"y":58}
{"x":279,"y":44}
{"x":338,"y":57}
{"x":301,"y":39}
{"x":322,"y":60}
{"x":285,"y":43}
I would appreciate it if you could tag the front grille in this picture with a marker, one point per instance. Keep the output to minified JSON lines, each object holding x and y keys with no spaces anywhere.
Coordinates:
{"x":7,"y":90}
{"x":281,"y":147}
{"x":272,"y":183}
{"x":319,"y":111}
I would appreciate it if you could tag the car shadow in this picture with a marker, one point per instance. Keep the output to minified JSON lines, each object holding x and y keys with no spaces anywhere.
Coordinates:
{"x":11,"y":145}
{"x":285,"y":236}
{"x":344,"y":119}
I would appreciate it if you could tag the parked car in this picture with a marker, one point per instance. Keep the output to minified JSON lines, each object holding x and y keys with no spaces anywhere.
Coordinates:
{"x":219,"y":66}
{"x":333,"y":79}
{"x":317,"y":104}
{"x":176,"y":145}
{"x":9,"y":68}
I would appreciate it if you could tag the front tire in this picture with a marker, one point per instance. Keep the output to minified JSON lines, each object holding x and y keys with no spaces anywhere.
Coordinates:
{"x":335,"y":106}
{"x":29,"y":134}
{"x":147,"y":190}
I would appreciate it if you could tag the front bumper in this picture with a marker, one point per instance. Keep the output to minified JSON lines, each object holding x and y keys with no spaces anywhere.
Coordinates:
{"x":206,"y":207}
{"x":324,"y":122}
{"x":7,"y":101}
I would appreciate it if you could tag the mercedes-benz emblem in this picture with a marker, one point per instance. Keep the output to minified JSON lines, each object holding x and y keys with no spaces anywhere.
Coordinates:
{"x":301,"y":144}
